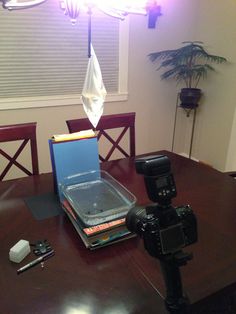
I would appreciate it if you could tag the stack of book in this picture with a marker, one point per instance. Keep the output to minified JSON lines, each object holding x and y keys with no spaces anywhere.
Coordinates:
{"x":100,"y":235}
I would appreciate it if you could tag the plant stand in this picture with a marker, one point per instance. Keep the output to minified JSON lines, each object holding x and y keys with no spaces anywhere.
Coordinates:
{"x":188,"y":113}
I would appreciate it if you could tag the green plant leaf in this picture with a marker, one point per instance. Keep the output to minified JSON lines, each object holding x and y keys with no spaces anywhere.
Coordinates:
{"x":188,"y":64}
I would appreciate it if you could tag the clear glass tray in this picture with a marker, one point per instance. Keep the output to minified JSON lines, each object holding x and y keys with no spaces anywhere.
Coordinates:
{"x":97,"y":197}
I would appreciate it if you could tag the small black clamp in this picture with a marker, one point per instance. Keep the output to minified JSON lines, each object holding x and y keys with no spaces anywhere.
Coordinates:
{"x":41,"y":247}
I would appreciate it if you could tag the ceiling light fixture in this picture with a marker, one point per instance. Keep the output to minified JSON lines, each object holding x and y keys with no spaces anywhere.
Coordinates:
{"x":115,"y":8}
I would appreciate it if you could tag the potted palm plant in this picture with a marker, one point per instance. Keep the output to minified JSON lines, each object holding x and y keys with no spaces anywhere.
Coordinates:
{"x":188,"y":64}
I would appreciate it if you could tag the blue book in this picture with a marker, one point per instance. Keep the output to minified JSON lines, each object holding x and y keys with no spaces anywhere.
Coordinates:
{"x":72,"y":157}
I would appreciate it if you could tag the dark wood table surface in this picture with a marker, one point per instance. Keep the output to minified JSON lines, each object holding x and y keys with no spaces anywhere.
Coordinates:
{"x":121,"y":278}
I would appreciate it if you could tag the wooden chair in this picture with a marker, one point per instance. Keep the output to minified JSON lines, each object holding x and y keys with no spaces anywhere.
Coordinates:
{"x":123,"y":121}
{"x":25,"y":132}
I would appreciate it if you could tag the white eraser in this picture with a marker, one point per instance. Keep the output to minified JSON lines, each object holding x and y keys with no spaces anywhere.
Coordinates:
{"x":19,"y":251}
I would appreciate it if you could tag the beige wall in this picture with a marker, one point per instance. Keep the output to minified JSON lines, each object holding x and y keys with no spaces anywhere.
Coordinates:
{"x":214,"y":130}
{"x":154,"y":100}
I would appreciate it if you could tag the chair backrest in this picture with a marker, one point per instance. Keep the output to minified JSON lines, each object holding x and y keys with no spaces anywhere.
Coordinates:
{"x":24,"y":132}
{"x":123,"y":121}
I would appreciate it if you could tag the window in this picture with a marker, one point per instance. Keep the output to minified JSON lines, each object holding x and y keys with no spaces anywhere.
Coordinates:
{"x":43,"y":57}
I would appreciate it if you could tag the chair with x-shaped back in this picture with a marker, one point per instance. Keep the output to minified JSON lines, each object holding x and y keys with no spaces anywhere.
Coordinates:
{"x":24,"y":132}
{"x":124,"y":122}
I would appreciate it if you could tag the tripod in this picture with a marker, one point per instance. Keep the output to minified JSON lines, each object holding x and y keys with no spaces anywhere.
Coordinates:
{"x":165,"y":229}
{"x":175,"y":301}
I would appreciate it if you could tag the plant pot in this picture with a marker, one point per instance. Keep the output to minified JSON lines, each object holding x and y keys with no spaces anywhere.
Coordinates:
{"x":190,"y":97}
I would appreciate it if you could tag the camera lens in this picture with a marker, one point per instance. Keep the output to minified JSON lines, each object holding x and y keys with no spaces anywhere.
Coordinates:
{"x":134,"y":217}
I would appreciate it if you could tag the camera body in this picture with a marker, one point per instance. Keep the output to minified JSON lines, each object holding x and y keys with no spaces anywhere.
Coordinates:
{"x":165,"y":229}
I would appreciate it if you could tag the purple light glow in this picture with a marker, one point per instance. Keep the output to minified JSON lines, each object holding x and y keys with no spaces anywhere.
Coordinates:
{"x":114,"y":8}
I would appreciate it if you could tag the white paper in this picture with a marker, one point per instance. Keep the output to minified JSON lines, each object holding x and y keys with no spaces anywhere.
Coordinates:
{"x":94,"y":91}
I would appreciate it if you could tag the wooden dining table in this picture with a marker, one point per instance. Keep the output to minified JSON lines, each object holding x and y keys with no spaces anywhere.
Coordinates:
{"x":121,"y":278}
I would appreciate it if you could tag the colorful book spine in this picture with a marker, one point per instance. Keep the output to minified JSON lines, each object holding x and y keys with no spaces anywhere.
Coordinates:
{"x":102,"y":227}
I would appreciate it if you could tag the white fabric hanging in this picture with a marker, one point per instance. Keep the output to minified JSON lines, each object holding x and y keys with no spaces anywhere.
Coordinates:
{"x":94,"y":91}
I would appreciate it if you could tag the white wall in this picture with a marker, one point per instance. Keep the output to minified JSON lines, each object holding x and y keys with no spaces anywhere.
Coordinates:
{"x":215,"y":130}
{"x":213,"y":23}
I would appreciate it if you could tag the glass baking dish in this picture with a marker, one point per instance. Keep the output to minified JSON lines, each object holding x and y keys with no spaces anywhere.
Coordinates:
{"x":97,"y":197}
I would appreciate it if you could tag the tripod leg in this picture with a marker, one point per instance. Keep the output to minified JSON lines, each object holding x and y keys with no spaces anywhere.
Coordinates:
{"x":175,"y":301}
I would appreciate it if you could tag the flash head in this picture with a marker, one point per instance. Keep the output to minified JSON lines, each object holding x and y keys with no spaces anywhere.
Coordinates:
{"x":159,"y":181}
{"x":153,"y":165}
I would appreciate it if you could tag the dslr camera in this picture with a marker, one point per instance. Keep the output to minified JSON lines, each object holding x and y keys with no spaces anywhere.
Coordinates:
{"x":165,"y":229}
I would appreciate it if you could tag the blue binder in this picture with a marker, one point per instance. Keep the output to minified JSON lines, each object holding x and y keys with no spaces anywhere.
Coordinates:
{"x":72,"y":157}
